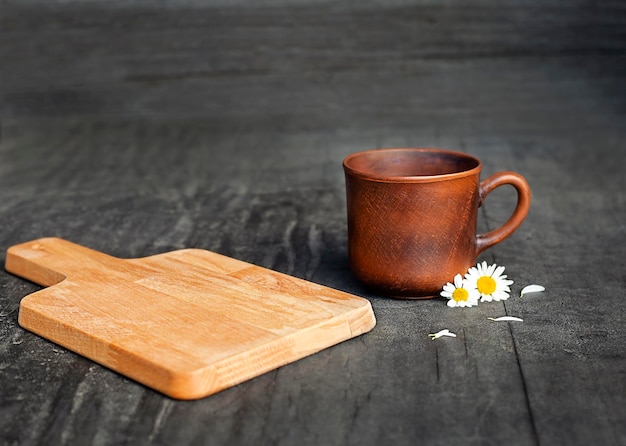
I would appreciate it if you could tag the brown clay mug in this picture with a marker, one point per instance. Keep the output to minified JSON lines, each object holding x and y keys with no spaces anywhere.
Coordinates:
{"x":412,"y":217}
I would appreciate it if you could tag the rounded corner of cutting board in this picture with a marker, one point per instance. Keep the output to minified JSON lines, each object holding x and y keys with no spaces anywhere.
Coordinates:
{"x":188,"y":385}
{"x":372,"y":320}
{"x":367,"y":320}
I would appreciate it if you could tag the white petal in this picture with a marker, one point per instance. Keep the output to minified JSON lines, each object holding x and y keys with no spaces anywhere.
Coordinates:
{"x":491,"y":269}
{"x":449,"y":287}
{"x":467,"y":284}
{"x":499,"y":270}
{"x":531,"y":289}
{"x":473,"y":294}
{"x":500,"y":295}
{"x":482,"y":268}
{"x":472,"y":272}
{"x":452,"y":303}
{"x":506,"y":319}
{"x":471,"y":281}
{"x":458,"y":281}
{"x":441,"y":333}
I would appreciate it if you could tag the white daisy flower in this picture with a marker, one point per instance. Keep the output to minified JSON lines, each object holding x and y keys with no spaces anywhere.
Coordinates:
{"x":489,"y":281}
{"x":460,"y":293}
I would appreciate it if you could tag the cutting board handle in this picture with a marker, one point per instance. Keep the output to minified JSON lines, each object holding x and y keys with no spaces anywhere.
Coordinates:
{"x":48,"y":261}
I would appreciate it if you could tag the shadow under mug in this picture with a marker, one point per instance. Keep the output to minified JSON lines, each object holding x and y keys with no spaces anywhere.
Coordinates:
{"x":412,"y":217}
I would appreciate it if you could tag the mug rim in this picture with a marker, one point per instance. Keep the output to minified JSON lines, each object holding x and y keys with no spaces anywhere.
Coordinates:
{"x":410,"y":178}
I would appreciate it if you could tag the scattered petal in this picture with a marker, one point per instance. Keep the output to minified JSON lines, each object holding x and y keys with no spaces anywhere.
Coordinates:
{"x":506,"y":319}
{"x":441,"y":333}
{"x":531,"y":289}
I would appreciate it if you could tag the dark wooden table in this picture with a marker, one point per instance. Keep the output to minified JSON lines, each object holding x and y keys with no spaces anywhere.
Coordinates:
{"x":142,"y":127}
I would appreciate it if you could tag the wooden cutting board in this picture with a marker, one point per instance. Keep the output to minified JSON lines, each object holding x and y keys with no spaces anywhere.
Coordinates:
{"x":188,"y":323}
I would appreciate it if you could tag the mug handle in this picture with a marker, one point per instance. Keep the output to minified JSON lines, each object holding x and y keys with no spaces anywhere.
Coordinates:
{"x":484,"y":241}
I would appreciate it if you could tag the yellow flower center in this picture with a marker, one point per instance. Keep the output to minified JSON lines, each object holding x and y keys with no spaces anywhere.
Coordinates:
{"x":460,"y":294}
{"x":486,"y":285}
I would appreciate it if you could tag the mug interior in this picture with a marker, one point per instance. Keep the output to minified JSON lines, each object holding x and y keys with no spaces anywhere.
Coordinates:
{"x":403,"y":163}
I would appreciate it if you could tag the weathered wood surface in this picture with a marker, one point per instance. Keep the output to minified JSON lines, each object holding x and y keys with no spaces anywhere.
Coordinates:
{"x":142,"y":127}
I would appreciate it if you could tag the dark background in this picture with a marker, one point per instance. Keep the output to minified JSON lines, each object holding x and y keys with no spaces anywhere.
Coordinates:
{"x":140,"y":127}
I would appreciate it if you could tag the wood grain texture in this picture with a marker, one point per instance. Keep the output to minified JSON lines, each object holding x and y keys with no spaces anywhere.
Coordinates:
{"x":188,"y":323}
{"x":145,"y":127}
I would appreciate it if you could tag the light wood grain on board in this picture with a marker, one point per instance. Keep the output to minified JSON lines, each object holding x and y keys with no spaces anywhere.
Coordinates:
{"x":188,"y":323}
